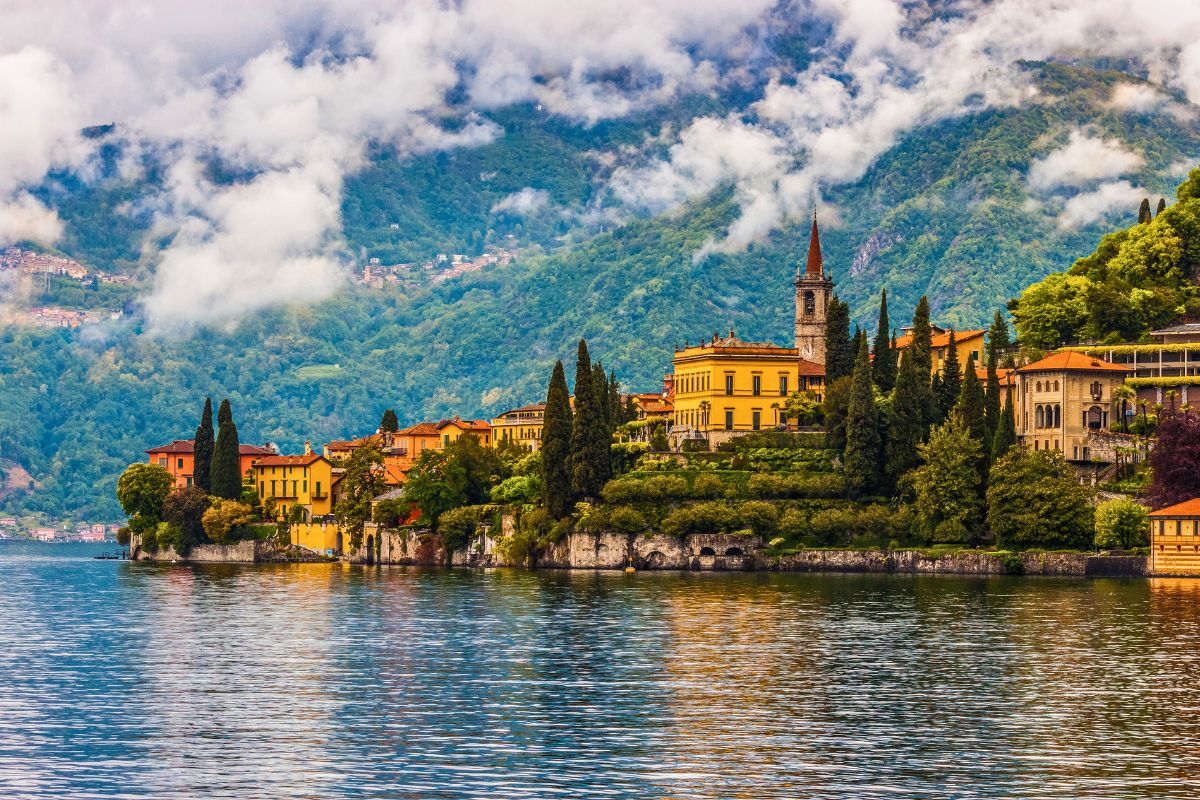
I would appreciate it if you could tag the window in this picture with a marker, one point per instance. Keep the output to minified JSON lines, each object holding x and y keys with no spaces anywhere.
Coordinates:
{"x":262,"y":489}
{"x":729,"y":420}
{"x":756,"y":383}
{"x":1056,"y":386}
{"x":179,"y":463}
{"x":1039,"y":417}
{"x":162,"y":461}
{"x":810,"y":303}
{"x":1097,"y":390}
{"x":189,"y":483}
{"x":318,"y":493}
{"x":1058,"y":417}
{"x":783,"y":387}
{"x":304,"y":486}
{"x":1038,"y":386}
{"x":728,"y":384}
{"x":756,"y":417}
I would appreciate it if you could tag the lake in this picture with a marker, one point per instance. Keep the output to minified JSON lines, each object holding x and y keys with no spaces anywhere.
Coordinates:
{"x":329,"y":681}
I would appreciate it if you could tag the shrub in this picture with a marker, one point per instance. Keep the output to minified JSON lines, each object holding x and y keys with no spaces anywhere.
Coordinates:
{"x":458,"y":525}
{"x":635,"y":489}
{"x":626,"y":520}
{"x":950,"y":531}
{"x":708,"y":486}
{"x":1034,"y":500}
{"x":795,"y":486}
{"x":759,"y":516}
{"x":713,"y":517}
{"x":1121,"y":523}
{"x":224,"y":519}
{"x":166,"y":535}
{"x":390,"y":513}
{"x":518,"y":489}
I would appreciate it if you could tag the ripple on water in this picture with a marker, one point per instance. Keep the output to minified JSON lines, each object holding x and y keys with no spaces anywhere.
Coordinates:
{"x":318,"y":681}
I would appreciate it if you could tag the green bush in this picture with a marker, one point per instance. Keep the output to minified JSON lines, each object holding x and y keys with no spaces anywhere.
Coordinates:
{"x":624,"y":519}
{"x":708,"y":486}
{"x":795,"y":486}
{"x":950,"y":531}
{"x":1121,"y":523}
{"x":458,"y":525}
{"x":166,"y":535}
{"x":713,"y":517}
{"x":759,"y":516}
{"x":636,"y":489}
{"x":519,"y":489}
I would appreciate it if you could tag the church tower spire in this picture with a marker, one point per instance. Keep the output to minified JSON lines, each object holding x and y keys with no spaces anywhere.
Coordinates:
{"x":814,"y":290}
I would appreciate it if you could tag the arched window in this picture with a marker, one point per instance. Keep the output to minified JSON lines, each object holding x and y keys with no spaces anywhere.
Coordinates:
{"x":1038,"y":386}
{"x":1040,"y":418}
{"x":1056,"y":386}
{"x":1057,"y":415}
{"x":1097,"y":390}
{"x":810,"y":303}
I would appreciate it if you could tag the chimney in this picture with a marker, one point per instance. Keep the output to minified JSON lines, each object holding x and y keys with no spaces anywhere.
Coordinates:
{"x":307,"y":447}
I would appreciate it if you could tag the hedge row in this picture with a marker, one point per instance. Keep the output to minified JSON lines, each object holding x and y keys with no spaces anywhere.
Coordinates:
{"x":680,"y":487}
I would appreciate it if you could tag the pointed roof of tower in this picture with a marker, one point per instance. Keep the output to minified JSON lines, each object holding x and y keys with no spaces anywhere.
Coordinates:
{"x":815,"y":268}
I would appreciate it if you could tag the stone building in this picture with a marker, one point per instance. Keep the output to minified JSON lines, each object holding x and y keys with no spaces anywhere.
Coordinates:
{"x":1063,"y":399}
{"x":814,"y":289}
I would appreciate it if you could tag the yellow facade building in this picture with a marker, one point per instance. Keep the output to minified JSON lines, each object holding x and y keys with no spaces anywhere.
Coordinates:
{"x":727,"y":384}
{"x":968,"y":344}
{"x":306,"y":481}
{"x":1175,"y":539}
{"x":520,"y":426}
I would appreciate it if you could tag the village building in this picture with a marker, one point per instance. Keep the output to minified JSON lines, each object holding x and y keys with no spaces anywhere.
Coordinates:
{"x":968,"y":344}
{"x":1168,"y":363}
{"x":1063,"y":400}
{"x":521,"y":426}
{"x":179,"y":459}
{"x":306,"y":481}
{"x":1175,"y":539}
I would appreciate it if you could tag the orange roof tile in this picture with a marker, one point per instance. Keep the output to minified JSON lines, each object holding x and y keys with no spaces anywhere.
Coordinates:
{"x":941,"y":339}
{"x":466,"y":424}
{"x":1004,"y":374}
{"x":1067,"y":361}
{"x":184,"y":446}
{"x":289,"y":461}
{"x":421,"y":429}
{"x":1188,"y":508}
{"x":811,"y":369}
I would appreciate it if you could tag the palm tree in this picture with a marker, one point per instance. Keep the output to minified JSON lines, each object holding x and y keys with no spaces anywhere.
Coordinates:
{"x":1121,"y":397}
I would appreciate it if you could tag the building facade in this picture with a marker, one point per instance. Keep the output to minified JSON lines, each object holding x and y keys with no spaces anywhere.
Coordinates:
{"x":968,"y":344}
{"x":520,"y":426}
{"x":306,"y":481}
{"x":814,"y":290}
{"x":179,"y":459}
{"x":1169,"y":363}
{"x":1064,"y":398}
{"x":1175,"y":539}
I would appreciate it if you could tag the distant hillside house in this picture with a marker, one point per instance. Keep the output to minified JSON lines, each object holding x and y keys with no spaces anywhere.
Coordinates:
{"x":178,"y":457}
{"x":968,"y":344}
{"x":521,"y":426}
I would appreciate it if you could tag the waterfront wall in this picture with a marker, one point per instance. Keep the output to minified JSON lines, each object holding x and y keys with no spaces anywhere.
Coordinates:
{"x":247,"y":552}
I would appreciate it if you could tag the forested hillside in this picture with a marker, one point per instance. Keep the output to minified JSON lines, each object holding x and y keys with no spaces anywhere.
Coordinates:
{"x":949,"y":211}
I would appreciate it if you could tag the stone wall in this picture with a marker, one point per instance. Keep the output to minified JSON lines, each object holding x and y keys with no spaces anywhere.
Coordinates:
{"x":246,"y":552}
{"x":965,"y":562}
{"x":1103,"y":445}
{"x":399,"y":547}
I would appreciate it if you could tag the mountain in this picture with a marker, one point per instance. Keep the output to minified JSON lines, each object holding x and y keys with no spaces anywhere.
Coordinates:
{"x":948,"y":211}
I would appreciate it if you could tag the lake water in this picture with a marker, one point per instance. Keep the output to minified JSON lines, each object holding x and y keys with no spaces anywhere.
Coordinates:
{"x":327,"y":681}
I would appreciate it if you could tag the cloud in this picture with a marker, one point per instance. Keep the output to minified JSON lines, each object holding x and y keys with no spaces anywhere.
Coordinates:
{"x":1103,"y":202}
{"x":522,"y":203}
{"x":24,"y":218}
{"x":1136,"y":97}
{"x":1082,"y":160}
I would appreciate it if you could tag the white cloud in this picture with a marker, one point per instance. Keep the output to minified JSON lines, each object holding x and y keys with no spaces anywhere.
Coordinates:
{"x":1082,"y":160}
{"x":1136,"y":97}
{"x":25,"y":218}
{"x":1108,"y":199}
{"x":523,"y":203}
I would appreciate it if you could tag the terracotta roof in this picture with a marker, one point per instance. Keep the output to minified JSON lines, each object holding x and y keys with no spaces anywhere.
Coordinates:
{"x":530,"y":407}
{"x":183,"y":446}
{"x":177,"y":446}
{"x":466,"y":424}
{"x":1188,"y":508}
{"x":421,"y":429}
{"x":941,"y":339}
{"x":658,"y":407}
{"x":289,"y":461}
{"x":1004,"y":374}
{"x":815,"y":266}
{"x":811,"y":369}
{"x":1065,"y":360}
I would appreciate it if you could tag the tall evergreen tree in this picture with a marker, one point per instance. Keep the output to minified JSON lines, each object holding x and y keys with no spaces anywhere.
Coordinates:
{"x":607,"y":423}
{"x":839,"y":358}
{"x":556,"y":445}
{"x":863,"y":445}
{"x":226,"y":472}
{"x":389,"y":423}
{"x":202,"y":449}
{"x":1144,"y":211}
{"x":1162,"y":206}
{"x":991,"y":401}
{"x":615,"y":410}
{"x":951,"y":383}
{"x":997,"y":337}
{"x":970,"y":408}
{"x":588,"y":446}
{"x":883,"y":368}
{"x":908,"y":421}
{"x":1006,"y":431}
{"x":856,"y":344}
{"x":922,"y":340}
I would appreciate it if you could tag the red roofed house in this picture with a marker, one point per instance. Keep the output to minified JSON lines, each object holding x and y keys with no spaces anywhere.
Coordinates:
{"x":178,"y":458}
{"x":1063,"y":399}
{"x":1175,"y":539}
{"x":968,"y":344}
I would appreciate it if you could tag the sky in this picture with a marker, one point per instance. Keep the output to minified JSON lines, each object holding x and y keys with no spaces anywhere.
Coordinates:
{"x":292,"y":92}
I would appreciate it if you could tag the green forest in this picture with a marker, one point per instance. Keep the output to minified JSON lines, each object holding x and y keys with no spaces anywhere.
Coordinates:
{"x":944,"y":213}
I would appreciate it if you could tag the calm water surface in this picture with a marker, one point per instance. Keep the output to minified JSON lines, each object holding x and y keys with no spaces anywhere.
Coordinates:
{"x":326,"y":681}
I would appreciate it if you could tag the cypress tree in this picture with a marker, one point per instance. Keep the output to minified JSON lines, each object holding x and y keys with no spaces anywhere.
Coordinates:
{"x":1006,"y":431}
{"x":1144,"y":211}
{"x":202,"y":449}
{"x":856,"y":344}
{"x":991,"y":401}
{"x":862,"y":428}
{"x":922,"y":340}
{"x":1162,"y":206}
{"x":226,"y":473}
{"x":970,"y":408}
{"x":839,"y":358}
{"x":389,"y":423}
{"x":556,"y":445}
{"x":997,"y":337}
{"x":615,"y":411}
{"x":908,"y":421}
{"x":607,"y":424}
{"x":586,"y":453}
{"x":951,"y":383}
{"x":884,"y":365}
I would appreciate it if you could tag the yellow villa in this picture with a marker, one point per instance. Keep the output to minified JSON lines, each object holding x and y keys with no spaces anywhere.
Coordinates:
{"x":306,"y":481}
{"x":1175,"y":539}
{"x":730,"y":385}
{"x":968,"y":344}
{"x":521,"y":426}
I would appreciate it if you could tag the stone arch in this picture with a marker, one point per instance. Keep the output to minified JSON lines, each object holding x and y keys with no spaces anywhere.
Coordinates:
{"x":707,"y":551}
{"x":656,"y":560}
{"x":370,"y":548}
{"x":1039,"y":417}
{"x":337,"y":547}
{"x":810,"y":302}
{"x":734,"y":552}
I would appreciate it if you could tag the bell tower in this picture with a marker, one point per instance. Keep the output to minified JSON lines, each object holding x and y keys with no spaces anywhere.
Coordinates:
{"x":814,"y":289}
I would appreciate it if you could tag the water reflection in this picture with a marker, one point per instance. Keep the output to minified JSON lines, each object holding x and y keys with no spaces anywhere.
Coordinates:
{"x":322,"y":681}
